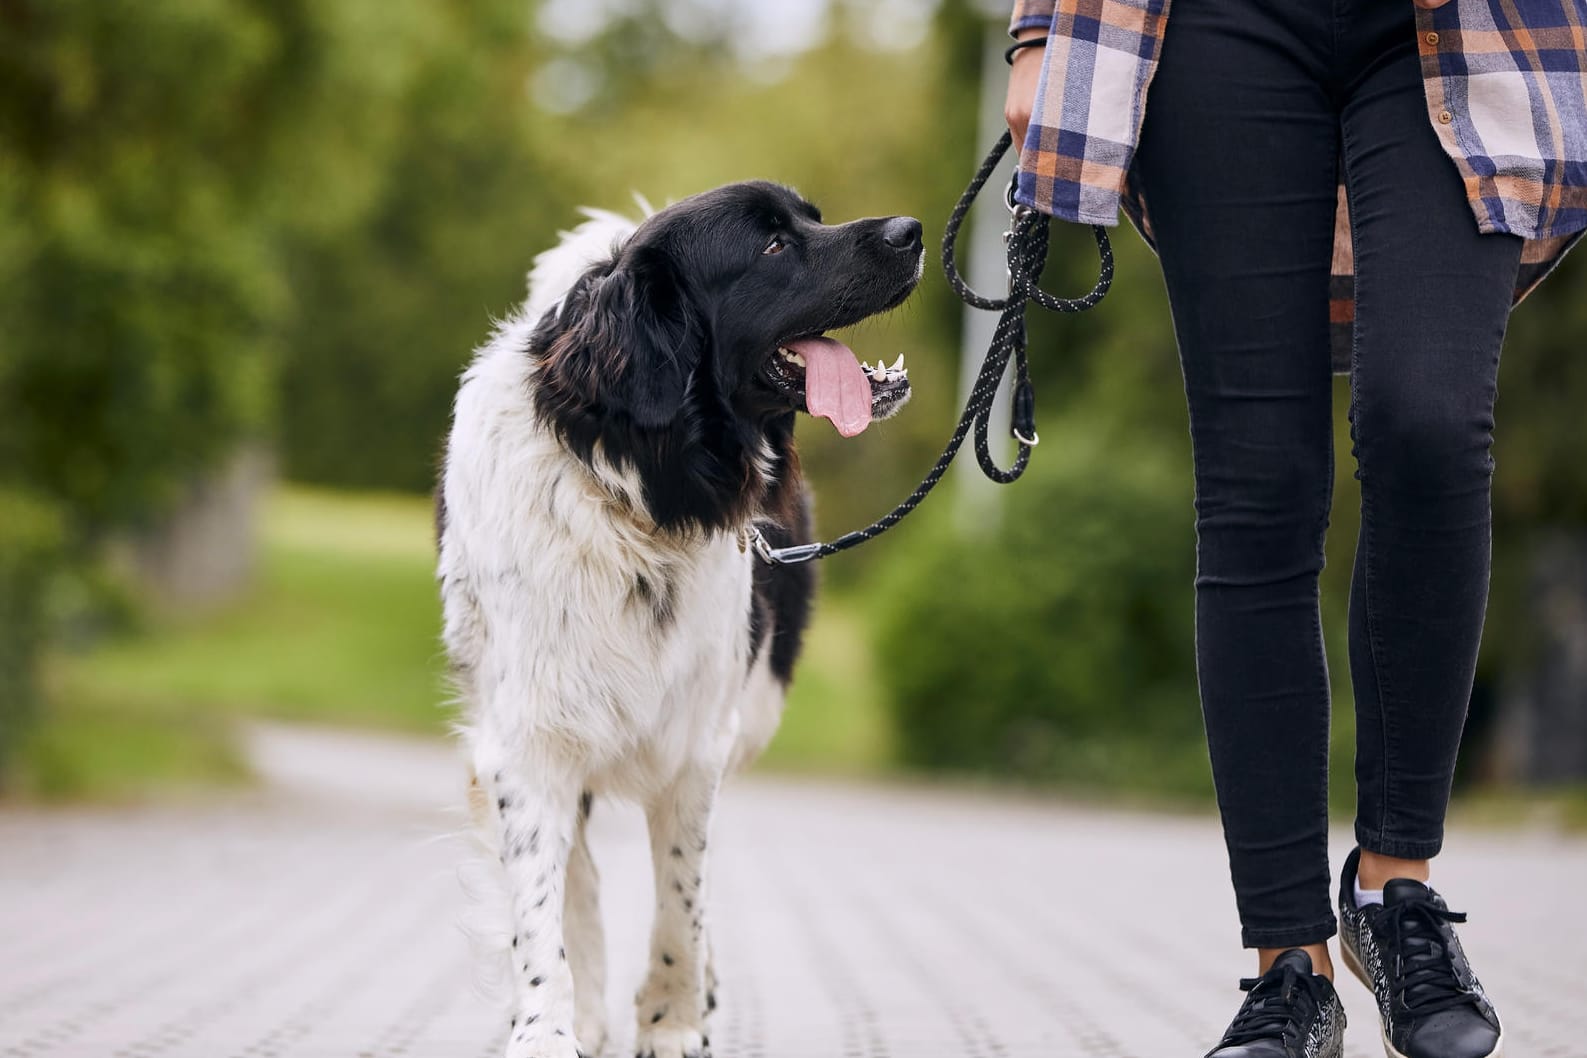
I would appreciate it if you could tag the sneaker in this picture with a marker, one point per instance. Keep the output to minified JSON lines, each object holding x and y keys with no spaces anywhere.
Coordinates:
{"x":1406,"y":951}
{"x":1289,"y":1012}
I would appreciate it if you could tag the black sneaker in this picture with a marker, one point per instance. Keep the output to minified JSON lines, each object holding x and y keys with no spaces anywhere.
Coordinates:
{"x":1406,"y":951}
{"x":1289,"y":1012}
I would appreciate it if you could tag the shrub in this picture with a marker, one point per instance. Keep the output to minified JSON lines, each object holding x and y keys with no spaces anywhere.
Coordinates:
{"x":1059,"y":644}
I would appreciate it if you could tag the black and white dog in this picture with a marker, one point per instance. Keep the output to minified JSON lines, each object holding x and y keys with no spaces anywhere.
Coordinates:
{"x":609,"y":630}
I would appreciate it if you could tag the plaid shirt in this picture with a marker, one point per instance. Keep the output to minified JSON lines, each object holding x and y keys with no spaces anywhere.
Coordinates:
{"x":1506,"y":84}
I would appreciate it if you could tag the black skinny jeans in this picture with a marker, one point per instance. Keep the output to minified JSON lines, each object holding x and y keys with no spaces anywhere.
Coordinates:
{"x":1255,"y":107}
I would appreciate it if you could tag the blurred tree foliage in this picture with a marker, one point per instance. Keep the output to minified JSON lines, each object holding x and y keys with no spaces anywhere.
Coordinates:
{"x":157,"y":159}
{"x":160,"y":157}
{"x":484,"y":178}
{"x":390,"y":307}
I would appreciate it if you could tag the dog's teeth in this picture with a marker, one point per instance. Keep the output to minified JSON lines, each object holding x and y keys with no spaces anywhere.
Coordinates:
{"x":879,"y":373}
{"x":898,"y":365}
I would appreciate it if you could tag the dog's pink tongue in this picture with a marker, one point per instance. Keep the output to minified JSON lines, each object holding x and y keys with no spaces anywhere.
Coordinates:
{"x":835,"y":384}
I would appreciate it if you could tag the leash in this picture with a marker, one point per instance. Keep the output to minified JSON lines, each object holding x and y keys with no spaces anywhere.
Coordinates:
{"x":1026,"y":243}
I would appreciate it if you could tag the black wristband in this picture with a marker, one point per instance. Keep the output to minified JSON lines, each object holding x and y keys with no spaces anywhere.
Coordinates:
{"x":1028,"y":42}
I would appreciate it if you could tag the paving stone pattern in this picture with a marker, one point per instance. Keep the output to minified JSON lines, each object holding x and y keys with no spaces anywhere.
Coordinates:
{"x":330,"y":915}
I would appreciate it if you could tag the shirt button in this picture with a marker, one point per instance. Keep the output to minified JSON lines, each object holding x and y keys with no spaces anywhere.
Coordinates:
{"x":1445,"y":117}
{"x":1432,"y":38}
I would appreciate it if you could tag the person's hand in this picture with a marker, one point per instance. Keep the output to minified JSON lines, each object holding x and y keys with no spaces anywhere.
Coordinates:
{"x":1430,"y":4}
{"x":1023,"y":77}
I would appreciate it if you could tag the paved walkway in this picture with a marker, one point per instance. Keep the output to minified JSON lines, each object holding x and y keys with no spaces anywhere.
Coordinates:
{"x":326,"y":917}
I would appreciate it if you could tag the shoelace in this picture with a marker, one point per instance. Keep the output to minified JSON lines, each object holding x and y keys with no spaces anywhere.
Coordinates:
{"x":1424,"y":967}
{"x":1270,"y":1010}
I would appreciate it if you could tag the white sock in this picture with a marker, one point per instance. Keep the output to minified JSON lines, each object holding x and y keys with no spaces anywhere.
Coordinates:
{"x":1367,"y":896}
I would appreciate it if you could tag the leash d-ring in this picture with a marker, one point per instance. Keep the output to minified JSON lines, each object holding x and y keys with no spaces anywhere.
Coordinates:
{"x":1025,"y":243}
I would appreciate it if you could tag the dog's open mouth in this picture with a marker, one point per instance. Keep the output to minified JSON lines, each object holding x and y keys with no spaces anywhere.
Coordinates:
{"x":823,"y":377}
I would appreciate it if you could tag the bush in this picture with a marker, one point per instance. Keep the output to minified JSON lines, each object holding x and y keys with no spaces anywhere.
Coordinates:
{"x":30,"y":545}
{"x":1058,"y":645}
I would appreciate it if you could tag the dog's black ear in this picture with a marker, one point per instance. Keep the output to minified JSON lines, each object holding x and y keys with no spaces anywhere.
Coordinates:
{"x":631,"y":340}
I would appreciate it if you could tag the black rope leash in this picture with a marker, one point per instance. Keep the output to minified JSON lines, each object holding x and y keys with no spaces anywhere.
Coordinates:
{"x":1026,"y":242}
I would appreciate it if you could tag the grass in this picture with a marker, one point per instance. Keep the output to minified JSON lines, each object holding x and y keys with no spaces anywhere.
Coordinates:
{"x":341,"y":627}
{"x":113,"y":751}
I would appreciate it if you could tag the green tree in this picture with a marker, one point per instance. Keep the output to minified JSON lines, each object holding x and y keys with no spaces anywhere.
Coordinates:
{"x":160,"y":157}
{"x":157,"y":157}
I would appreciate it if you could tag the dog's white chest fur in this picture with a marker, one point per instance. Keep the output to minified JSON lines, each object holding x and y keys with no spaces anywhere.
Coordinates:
{"x":569,"y":620}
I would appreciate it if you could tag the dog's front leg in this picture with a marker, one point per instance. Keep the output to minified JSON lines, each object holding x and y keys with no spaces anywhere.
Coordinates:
{"x":536,"y":811}
{"x":671,"y":1005}
{"x":586,"y":939}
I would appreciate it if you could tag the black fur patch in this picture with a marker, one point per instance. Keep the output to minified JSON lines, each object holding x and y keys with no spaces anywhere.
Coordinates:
{"x":780,"y":607}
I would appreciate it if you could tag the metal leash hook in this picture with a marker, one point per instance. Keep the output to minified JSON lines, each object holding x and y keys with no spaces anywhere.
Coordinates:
{"x":1025,"y":245}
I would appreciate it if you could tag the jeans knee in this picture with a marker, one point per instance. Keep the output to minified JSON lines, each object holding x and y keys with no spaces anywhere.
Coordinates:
{"x":1262,"y":521}
{"x":1428,"y":447}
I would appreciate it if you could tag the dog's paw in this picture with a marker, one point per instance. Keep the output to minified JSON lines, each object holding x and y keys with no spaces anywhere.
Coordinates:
{"x":524,"y":1043}
{"x":591,"y":1032}
{"x":671,"y":1041}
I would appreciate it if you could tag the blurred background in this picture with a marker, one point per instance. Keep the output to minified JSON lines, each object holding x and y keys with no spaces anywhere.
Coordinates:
{"x":246,"y":247}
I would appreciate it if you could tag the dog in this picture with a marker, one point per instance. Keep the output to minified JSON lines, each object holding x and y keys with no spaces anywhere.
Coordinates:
{"x":609,"y":628}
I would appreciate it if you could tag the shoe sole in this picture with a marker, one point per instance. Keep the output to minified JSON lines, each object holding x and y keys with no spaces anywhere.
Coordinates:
{"x":1388,"y":1048}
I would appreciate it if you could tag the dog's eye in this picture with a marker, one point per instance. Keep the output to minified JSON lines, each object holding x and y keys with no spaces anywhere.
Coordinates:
{"x":775,"y":246}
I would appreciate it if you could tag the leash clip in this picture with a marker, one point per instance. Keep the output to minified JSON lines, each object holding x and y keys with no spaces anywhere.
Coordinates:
{"x":781,"y":556}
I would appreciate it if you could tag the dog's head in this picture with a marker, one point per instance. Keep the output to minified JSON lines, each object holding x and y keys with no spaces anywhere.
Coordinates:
{"x":706,"y":331}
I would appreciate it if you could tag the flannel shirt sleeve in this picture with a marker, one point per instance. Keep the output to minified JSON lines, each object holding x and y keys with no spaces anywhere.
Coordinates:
{"x":1032,"y":14}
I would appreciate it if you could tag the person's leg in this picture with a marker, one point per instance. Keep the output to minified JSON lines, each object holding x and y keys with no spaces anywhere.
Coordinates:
{"x":1432,"y":299}
{"x":1238,"y":163}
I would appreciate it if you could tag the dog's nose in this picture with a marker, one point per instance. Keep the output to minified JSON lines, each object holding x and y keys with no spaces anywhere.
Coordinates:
{"x":902,"y":233}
